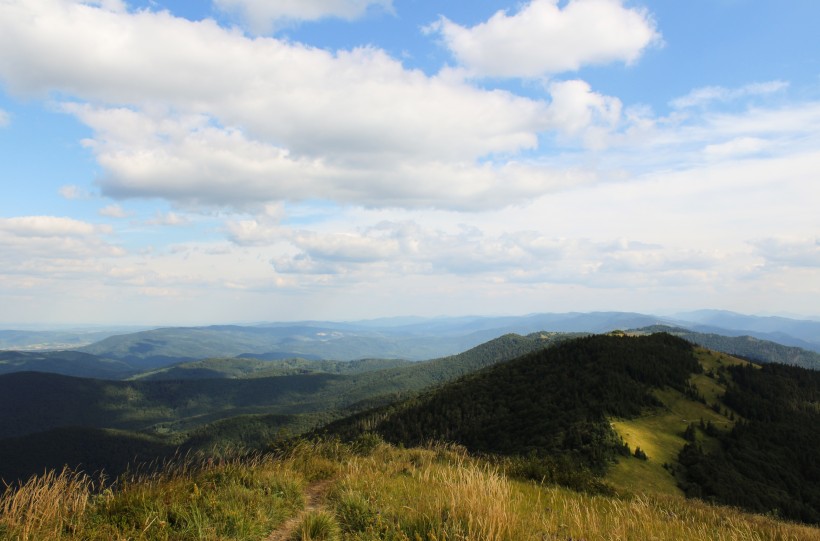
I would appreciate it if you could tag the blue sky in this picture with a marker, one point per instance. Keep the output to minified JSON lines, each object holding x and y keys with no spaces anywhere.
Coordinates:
{"x":168,"y":162}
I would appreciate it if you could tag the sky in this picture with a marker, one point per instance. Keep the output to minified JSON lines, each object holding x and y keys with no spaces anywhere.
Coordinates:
{"x":185,"y":163}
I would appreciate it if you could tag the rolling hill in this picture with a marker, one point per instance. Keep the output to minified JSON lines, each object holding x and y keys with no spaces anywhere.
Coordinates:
{"x":68,"y":363}
{"x":748,"y":347}
{"x":31,"y":403}
{"x":646,"y":411}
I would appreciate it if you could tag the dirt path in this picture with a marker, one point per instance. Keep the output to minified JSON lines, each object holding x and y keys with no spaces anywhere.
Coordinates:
{"x":314,"y":494}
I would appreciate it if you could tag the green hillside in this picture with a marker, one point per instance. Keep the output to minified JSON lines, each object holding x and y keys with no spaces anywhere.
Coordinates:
{"x":553,"y":401}
{"x":770,"y":460}
{"x":251,"y":409}
{"x":645,"y":413}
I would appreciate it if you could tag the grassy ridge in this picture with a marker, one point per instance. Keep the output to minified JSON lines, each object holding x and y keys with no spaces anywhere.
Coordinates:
{"x":366,"y":492}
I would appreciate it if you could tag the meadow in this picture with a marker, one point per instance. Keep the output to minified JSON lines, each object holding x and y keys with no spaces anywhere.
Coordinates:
{"x":364,"y":491}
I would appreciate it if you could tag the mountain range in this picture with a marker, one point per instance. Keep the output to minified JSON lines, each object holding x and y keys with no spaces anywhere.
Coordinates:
{"x":595,"y":402}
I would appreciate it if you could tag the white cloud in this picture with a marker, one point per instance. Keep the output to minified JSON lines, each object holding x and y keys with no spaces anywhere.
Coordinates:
{"x":544,"y":38}
{"x":192,"y":162}
{"x":198,"y":114}
{"x":5,"y":119}
{"x":703,"y":96}
{"x":408,"y":249}
{"x":261,"y":15}
{"x":578,"y":111}
{"x":740,"y":146}
{"x":113,"y":211}
{"x":49,"y":226}
{"x":51,"y":244}
{"x":71,"y":191}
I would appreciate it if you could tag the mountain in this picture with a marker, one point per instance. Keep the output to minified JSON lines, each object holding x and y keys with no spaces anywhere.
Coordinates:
{"x":34,"y":402}
{"x":246,"y":366}
{"x":162,"y":347}
{"x":556,"y":400}
{"x":748,"y":347}
{"x":627,"y":408}
{"x":650,"y":413}
{"x":792,"y":332}
{"x":69,"y":363}
{"x":410,"y":339}
{"x":37,"y":340}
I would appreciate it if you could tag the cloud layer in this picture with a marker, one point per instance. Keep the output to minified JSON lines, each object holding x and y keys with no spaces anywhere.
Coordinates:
{"x":234,"y":169}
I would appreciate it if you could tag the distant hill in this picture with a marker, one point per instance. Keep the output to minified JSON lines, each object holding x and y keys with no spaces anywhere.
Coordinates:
{"x":38,"y":340}
{"x":34,"y":402}
{"x":389,"y":339}
{"x":162,"y":347}
{"x":249,"y":367}
{"x":396,"y":338}
{"x":791,"y":332}
{"x":69,"y":363}
{"x":748,"y":347}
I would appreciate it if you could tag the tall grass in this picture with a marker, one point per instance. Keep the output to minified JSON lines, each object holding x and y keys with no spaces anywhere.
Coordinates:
{"x":50,"y":506}
{"x":441,"y":494}
{"x":376,"y":492}
{"x":186,"y":499}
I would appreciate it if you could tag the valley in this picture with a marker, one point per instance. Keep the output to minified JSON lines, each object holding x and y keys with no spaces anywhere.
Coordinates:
{"x":593,"y":417}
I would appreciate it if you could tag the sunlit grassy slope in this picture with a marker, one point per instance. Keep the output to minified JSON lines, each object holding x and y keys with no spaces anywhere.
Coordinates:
{"x":659,"y":432}
{"x":362,"y":492}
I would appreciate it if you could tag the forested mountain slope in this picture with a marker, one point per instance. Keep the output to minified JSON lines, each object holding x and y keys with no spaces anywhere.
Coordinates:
{"x":556,"y":400}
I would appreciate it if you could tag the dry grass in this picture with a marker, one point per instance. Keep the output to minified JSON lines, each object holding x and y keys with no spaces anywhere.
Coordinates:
{"x":45,"y":507}
{"x":434,"y":494}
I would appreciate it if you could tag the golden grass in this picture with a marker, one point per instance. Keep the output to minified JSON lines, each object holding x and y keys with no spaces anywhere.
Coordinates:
{"x":45,"y":507}
{"x":438,"y":493}
{"x":435,"y":495}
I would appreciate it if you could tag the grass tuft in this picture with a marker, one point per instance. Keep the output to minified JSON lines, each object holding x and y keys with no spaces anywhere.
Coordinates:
{"x":318,"y":526}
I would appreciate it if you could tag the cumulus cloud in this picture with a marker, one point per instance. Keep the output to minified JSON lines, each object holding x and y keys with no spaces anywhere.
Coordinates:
{"x":703,"y":96}
{"x":544,"y":38}
{"x":199,"y":114}
{"x":261,"y":15}
{"x":578,"y":111}
{"x":190,"y":161}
